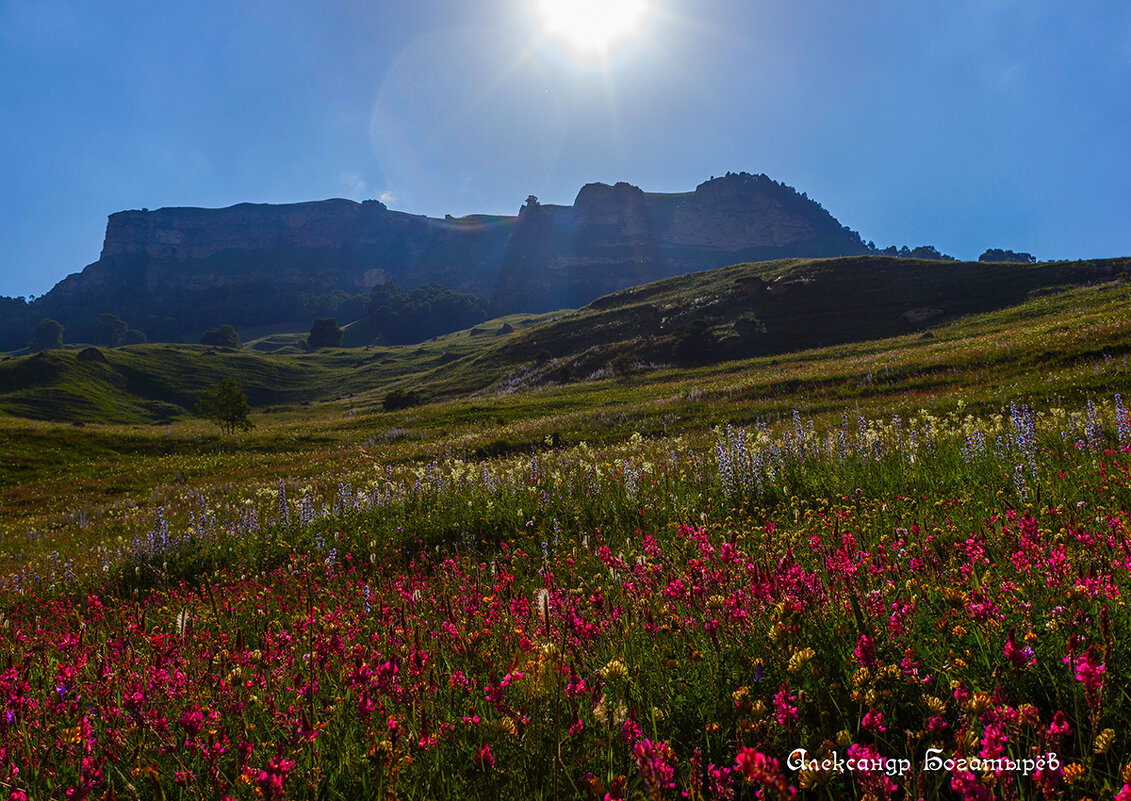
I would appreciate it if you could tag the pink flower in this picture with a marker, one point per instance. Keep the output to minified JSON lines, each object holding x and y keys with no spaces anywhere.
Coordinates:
{"x":193,"y":720}
{"x":865,"y":651}
{"x":1019,"y":657}
{"x":784,"y":710}
{"x":656,"y":762}
{"x":764,"y":772}
{"x":874,"y":721}
{"x":270,"y":781}
{"x":485,"y":758}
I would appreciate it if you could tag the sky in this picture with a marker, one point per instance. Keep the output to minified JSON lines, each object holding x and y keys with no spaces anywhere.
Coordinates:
{"x":965,"y":125}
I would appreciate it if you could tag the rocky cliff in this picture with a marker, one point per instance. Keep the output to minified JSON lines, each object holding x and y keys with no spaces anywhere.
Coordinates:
{"x":175,"y":271}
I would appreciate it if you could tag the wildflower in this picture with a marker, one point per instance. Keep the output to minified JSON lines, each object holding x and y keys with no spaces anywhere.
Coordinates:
{"x":936,"y":706}
{"x":1019,"y":657}
{"x":656,"y":763}
{"x":1104,"y":740}
{"x":630,"y":731}
{"x":270,"y":781}
{"x":484,"y":757}
{"x":193,"y":720}
{"x":1059,"y":727}
{"x":784,"y":710}
{"x":763,"y":771}
{"x":800,"y":658}
{"x":615,"y":669}
{"x":874,"y":721}
{"x":865,"y":651}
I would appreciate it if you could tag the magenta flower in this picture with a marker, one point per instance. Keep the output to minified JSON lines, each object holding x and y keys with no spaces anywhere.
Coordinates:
{"x":193,"y":720}
{"x":784,"y":710}
{"x":874,"y":721}
{"x":656,"y":762}
{"x":763,"y":772}
{"x":865,"y":651}
{"x":1019,"y":657}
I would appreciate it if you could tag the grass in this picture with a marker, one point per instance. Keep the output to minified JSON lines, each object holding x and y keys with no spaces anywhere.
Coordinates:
{"x":650,"y":584}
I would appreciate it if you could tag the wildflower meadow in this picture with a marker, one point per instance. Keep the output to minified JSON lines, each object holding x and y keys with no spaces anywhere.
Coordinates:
{"x":923,"y":605}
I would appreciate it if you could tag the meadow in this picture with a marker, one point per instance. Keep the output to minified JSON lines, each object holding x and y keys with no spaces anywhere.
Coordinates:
{"x":908,"y":561}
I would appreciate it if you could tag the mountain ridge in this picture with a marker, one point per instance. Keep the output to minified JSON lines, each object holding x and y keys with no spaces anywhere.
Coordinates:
{"x":176,"y":271}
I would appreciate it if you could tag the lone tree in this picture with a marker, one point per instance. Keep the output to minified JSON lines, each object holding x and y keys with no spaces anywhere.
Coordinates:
{"x":226,"y":406}
{"x":325,"y":334}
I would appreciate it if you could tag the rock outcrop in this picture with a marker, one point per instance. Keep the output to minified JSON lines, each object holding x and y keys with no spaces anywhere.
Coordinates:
{"x":174,"y":272}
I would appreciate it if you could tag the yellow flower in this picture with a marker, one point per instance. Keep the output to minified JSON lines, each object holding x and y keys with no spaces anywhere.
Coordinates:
{"x":1104,"y":740}
{"x":616,"y":669}
{"x":800,"y":658}
{"x":1073,"y":772}
{"x":935,"y":706}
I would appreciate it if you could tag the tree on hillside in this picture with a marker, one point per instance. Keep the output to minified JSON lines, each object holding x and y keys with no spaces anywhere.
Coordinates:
{"x":225,"y":336}
{"x":325,"y":334}
{"x":997,"y":254}
{"x":48,"y":334}
{"x":134,"y":337}
{"x":110,"y":330}
{"x":398,"y":318}
{"x":225,"y":405}
{"x":694,"y":342}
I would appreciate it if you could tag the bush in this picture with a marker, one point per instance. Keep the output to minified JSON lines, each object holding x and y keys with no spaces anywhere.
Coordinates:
{"x":325,"y":334}
{"x":401,"y":399}
{"x":694,"y":342}
{"x":225,"y":336}
{"x":110,"y":330}
{"x":48,"y":334}
{"x":999,"y":255}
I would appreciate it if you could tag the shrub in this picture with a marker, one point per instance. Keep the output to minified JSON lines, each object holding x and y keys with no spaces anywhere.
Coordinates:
{"x":48,"y":334}
{"x":325,"y":334}
{"x":694,"y":342}
{"x":225,"y":336}
{"x":401,"y":399}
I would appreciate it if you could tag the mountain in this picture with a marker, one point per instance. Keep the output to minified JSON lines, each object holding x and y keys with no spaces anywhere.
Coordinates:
{"x":175,"y":272}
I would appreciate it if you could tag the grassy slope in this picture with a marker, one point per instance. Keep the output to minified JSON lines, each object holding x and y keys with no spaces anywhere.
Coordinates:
{"x":1065,"y":346}
{"x":804,"y":304}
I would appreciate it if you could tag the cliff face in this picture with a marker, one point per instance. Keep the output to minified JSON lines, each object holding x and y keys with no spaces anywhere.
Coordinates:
{"x":176,"y":270}
{"x":614,"y":237}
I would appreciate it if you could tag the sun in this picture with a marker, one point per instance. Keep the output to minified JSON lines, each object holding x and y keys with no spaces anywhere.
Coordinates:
{"x":591,"y":27}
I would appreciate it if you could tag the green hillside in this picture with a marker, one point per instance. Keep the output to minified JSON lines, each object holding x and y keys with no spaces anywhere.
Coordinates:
{"x":742,"y":312}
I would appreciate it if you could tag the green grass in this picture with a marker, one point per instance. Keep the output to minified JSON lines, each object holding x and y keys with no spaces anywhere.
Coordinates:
{"x":526,"y":564}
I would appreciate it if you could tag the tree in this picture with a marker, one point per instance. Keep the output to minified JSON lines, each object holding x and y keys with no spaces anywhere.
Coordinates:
{"x":134,"y":337}
{"x":110,"y":330}
{"x":325,"y":334}
{"x":226,"y":406}
{"x":694,"y":342}
{"x":225,"y":336}
{"x":997,"y":254}
{"x":48,"y":334}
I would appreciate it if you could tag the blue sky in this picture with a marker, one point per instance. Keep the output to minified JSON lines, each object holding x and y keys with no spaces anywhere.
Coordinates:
{"x":966,"y":125}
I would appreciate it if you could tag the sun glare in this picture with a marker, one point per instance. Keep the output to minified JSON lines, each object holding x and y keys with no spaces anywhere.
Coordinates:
{"x":591,"y":27}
